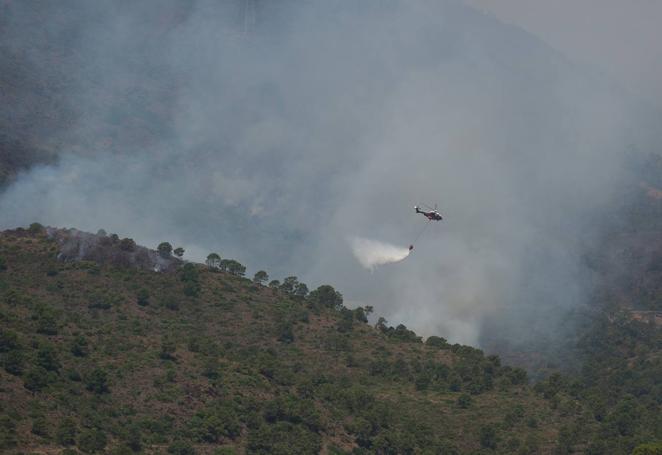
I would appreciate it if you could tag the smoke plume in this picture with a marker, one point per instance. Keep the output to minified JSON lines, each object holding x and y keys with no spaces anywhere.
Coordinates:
{"x":271,"y":132}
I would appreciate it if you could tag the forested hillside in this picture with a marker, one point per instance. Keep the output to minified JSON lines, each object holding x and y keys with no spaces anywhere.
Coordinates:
{"x":113,"y":356}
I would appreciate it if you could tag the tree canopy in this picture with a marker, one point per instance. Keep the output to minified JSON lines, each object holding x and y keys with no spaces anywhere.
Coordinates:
{"x":260,"y":277}
{"x":164,"y":249}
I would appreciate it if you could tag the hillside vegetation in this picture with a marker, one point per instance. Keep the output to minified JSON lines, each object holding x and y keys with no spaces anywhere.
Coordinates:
{"x":111,"y":356}
{"x":116,"y":357}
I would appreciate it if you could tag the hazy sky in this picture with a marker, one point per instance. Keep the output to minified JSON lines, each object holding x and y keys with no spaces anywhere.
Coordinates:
{"x":620,"y":37}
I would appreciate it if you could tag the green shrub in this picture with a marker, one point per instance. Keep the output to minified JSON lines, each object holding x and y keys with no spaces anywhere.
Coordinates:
{"x":46,"y":323}
{"x":8,"y":340}
{"x":517,"y":376}
{"x":454,"y":382}
{"x":286,"y":333}
{"x":92,"y":440}
{"x":362,"y":430}
{"x":191,"y":289}
{"x":40,"y":426}
{"x":513,"y":416}
{"x":133,"y":437}
{"x":422,"y":382}
{"x":566,"y":439}
{"x":168,"y":348}
{"x":260,"y":277}
{"x":301,"y":291}
{"x":8,"y":436}
{"x":47,"y":358}
{"x":159,"y":429}
{"x":303,"y":316}
{"x":394,"y":442}
{"x":326,"y":296}
{"x":550,"y":386}
{"x":189,"y":272}
{"x":214,"y":423}
{"x":512,"y":444}
{"x":164,"y":249}
{"x":36,"y":379}
{"x":13,"y":362}
{"x":181,"y":447}
{"x":464,"y":401}
{"x":211,"y":369}
{"x":652,"y":448}
{"x":360,"y":315}
{"x":170,"y":302}
{"x":127,"y":244}
{"x":488,"y":437}
{"x":97,"y":381}
{"x":213,"y":261}
{"x":100,"y":303}
{"x":233,"y":267}
{"x":437,"y":342}
{"x":79,"y":347}
{"x":294,"y":410}
{"x":337,"y":342}
{"x":36,"y":228}
{"x":191,"y":278}
{"x":194,"y":344}
{"x":401,"y":332}
{"x":66,"y":432}
{"x":283,"y":438}
{"x":346,"y":321}
{"x":74,"y":376}
{"x":142,"y":297}
{"x":289,"y":284}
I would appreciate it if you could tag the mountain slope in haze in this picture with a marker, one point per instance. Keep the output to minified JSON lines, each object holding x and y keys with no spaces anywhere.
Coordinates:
{"x":281,"y":134}
{"x":113,"y":356}
{"x":188,"y":97}
{"x":102,"y":356}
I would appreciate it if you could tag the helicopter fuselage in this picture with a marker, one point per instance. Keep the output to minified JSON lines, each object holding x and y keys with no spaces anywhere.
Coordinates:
{"x":432,"y":215}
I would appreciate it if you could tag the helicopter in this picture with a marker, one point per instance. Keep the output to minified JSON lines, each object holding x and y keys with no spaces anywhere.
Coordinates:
{"x":431,"y":214}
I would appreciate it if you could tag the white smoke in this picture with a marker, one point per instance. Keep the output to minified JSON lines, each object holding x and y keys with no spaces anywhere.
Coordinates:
{"x":274,"y":146}
{"x":371,"y":253}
